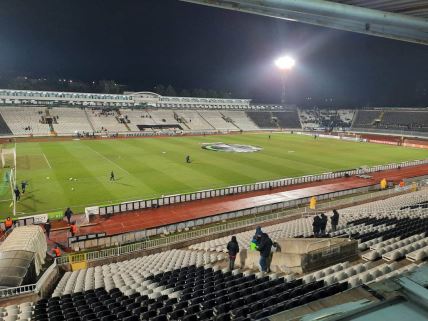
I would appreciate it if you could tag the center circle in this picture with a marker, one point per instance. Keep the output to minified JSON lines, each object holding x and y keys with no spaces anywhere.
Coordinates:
{"x":234,"y":148}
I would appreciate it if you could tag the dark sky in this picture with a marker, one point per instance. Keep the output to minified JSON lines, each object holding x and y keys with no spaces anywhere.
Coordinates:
{"x":142,"y":43}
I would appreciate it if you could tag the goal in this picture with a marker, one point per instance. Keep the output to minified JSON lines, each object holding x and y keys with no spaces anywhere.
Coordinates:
{"x":8,"y":160}
{"x":8,"y":157}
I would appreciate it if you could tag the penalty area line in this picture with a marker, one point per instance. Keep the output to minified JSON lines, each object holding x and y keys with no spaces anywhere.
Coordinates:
{"x":47,"y":161}
{"x":109,"y":160}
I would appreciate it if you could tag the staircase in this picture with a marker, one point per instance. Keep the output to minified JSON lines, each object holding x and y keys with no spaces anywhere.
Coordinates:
{"x":379,"y":119}
{"x":89,"y":120}
{"x":229,"y":120}
{"x":274,"y":122}
{"x":118,"y":120}
{"x":181,"y":120}
{"x":212,"y":127}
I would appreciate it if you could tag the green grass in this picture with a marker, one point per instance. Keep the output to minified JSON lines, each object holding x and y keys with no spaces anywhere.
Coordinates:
{"x":151,"y":167}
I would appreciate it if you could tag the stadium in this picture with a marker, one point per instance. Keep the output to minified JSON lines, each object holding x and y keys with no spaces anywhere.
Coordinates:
{"x":142,"y":206}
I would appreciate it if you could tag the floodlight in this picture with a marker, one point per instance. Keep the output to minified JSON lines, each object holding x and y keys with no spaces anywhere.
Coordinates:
{"x":285,"y":63}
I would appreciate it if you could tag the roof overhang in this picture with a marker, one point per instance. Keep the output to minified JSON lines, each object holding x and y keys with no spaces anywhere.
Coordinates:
{"x":407,"y":23}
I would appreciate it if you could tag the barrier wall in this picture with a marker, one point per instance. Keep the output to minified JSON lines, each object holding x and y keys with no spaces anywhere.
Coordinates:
{"x":91,"y":241}
{"x":231,"y":190}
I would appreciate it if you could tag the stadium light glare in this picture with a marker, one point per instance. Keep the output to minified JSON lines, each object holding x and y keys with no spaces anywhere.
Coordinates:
{"x":285,"y":63}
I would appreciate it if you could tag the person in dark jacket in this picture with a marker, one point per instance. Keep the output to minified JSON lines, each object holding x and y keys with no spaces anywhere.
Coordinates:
{"x":257,"y":235}
{"x":265,"y":246}
{"x":335,"y":220}
{"x":68,"y":214}
{"x":324,"y":220}
{"x":48,"y":228}
{"x":316,"y":225}
{"x":233,"y":250}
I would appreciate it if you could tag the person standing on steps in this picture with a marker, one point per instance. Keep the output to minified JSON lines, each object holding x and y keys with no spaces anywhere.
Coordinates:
{"x":264,"y":248}
{"x":334,"y":220}
{"x":324,"y":220}
{"x":48,"y":227}
{"x":233,"y":250}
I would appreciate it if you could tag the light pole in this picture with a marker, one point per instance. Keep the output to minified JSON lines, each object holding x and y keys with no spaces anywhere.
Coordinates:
{"x":284,"y":64}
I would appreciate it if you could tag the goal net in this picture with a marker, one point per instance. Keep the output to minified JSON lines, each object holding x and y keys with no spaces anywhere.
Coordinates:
{"x":8,"y":161}
{"x":8,"y":157}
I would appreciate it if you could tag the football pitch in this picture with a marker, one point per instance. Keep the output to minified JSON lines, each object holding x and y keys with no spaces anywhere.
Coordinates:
{"x":76,"y":173}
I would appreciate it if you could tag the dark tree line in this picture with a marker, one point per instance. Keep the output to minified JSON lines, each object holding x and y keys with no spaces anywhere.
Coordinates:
{"x":197,"y":92}
{"x":61,"y":84}
{"x":100,"y":86}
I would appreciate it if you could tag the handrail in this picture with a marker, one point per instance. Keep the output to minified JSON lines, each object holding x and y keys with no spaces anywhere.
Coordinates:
{"x":18,"y":290}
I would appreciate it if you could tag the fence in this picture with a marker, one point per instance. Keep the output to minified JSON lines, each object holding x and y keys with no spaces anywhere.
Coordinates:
{"x":181,"y":198}
{"x":210,"y":231}
{"x":90,"y":241}
{"x":45,"y":281}
{"x":25,"y":289}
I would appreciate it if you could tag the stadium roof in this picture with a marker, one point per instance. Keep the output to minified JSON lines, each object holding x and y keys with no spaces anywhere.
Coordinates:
{"x":405,"y":20}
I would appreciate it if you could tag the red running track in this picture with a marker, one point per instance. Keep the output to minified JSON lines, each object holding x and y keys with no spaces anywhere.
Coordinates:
{"x":171,"y":214}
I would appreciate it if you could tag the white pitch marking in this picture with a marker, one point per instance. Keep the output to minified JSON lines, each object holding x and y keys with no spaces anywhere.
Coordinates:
{"x":47,"y":161}
{"x":108,"y":159}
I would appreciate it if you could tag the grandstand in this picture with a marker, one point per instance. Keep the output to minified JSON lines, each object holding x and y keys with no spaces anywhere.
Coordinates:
{"x":193,"y":284}
{"x":326,"y":118}
{"x":182,"y":273}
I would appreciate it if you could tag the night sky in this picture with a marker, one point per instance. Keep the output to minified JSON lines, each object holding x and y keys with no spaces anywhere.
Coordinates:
{"x":142,"y":43}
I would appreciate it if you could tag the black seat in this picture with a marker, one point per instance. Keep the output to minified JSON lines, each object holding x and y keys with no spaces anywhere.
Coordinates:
{"x":108,"y":318}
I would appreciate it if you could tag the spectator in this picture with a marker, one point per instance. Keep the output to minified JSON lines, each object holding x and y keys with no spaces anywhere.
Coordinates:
{"x":56,"y":251}
{"x":316,"y":225}
{"x":323,"y":224}
{"x":335,"y":220}
{"x":257,"y":235}
{"x":8,"y":224}
{"x":265,"y":246}
{"x":48,"y":228}
{"x":73,"y":229}
{"x":68,"y":213}
{"x":233,"y":250}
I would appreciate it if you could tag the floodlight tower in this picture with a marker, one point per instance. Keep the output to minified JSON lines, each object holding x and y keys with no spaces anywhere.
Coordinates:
{"x":284,"y":64}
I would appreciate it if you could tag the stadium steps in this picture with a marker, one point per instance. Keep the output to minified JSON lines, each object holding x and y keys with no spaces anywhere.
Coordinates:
{"x":272,"y":117}
{"x":118,"y":117}
{"x":200,"y":115}
{"x":4,"y":128}
{"x":230,"y":120}
{"x":89,"y":120}
{"x":181,"y":120}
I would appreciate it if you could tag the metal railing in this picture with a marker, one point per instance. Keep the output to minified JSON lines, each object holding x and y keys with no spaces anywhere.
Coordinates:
{"x":211,"y":231}
{"x":231,"y":190}
{"x":24,"y":289}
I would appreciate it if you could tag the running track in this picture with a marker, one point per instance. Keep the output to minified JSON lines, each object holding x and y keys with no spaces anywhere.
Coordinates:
{"x":150,"y":218}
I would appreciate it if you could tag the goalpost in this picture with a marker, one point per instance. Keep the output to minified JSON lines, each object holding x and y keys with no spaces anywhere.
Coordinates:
{"x":8,"y":161}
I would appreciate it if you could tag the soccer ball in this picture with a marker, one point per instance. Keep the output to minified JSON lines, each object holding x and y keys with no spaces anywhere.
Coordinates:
{"x":47,"y":177}
{"x":72,"y":188}
{"x":70,"y":179}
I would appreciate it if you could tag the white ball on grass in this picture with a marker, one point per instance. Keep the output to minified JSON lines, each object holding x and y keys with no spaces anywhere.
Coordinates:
{"x":70,"y":179}
{"x":47,"y":177}
{"x":72,"y":188}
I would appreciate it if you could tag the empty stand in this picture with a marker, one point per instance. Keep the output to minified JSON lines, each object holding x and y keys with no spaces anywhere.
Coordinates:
{"x":70,"y":120}
{"x":263,"y":119}
{"x":25,"y":120}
